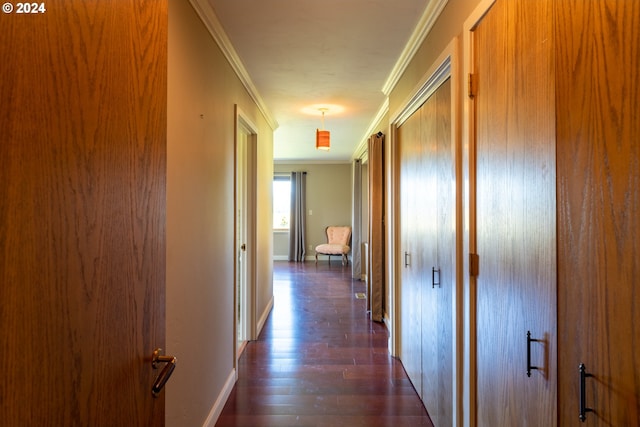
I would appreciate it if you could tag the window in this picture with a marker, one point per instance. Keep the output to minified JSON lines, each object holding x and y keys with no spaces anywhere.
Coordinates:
{"x":281,"y":202}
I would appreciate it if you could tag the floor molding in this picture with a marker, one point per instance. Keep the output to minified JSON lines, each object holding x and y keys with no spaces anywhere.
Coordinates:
{"x":263,"y":317}
{"x":218,"y":406}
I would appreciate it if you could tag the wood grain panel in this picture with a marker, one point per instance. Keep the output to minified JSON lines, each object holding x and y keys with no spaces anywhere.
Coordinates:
{"x":516,"y":219}
{"x":427,"y":194}
{"x":598,"y":108}
{"x":446,"y":261}
{"x":411,"y":282}
{"x":428,"y":235}
{"x":82,"y":201}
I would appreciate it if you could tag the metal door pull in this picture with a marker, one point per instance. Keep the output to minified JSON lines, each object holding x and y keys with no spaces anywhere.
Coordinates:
{"x":435,"y":277}
{"x":583,"y":393}
{"x":529,"y":366}
{"x":166,"y":372}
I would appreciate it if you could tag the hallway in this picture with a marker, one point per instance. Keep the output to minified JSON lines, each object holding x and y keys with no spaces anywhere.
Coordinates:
{"x":319,"y":360}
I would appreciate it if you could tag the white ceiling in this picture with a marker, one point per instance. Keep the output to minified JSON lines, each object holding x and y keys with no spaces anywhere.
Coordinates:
{"x":304,"y":54}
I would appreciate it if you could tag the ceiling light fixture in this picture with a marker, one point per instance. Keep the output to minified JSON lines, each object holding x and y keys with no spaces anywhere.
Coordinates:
{"x":322,"y":136}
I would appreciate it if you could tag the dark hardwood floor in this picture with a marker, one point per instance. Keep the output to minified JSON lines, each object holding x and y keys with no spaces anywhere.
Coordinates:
{"x":320,"y":361}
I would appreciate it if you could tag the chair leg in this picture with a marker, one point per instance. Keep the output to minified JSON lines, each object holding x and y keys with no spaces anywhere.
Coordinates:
{"x":316,"y":258}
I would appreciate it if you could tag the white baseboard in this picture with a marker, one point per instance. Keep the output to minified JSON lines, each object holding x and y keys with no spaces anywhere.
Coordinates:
{"x":263,"y":317}
{"x":386,"y":320}
{"x":281,"y":258}
{"x":218,"y":406}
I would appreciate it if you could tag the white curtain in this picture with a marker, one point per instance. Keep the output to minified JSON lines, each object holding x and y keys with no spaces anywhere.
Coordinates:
{"x":297,"y":225}
{"x":356,"y":234}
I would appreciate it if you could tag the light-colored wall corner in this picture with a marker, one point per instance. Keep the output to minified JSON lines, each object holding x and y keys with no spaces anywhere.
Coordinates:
{"x":264,"y":225}
{"x":329,"y":192}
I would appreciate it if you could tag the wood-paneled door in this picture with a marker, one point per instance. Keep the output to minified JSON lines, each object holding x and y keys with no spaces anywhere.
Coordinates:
{"x":598,"y":107}
{"x":411,"y":229}
{"x":427,"y":215}
{"x":428,"y":275}
{"x":83,"y":122}
{"x":445,"y":264}
{"x":436,"y":212}
{"x":515,"y":214}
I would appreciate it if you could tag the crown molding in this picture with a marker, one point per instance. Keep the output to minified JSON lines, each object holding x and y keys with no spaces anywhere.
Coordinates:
{"x":427,"y":86}
{"x":362,"y":148}
{"x":211,"y":22}
{"x":426,"y":23}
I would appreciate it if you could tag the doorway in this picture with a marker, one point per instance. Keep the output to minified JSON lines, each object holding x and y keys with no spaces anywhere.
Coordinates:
{"x":245,"y":219}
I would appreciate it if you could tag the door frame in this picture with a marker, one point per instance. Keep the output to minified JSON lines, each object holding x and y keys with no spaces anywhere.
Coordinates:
{"x":445,"y":67}
{"x":247,"y":166}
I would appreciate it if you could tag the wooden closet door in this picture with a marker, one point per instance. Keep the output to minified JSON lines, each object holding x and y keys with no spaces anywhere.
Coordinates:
{"x":516,"y":221}
{"x":410,"y":224}
{"x":428,"y":253}
{"x":428,"y":234}
{"x":446,"y":256}
{"x":438,"y":251}
{"x":598,"y":106}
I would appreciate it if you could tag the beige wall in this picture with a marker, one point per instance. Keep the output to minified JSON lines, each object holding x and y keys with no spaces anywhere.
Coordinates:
{"x":202,"y":92}
{"x":329,"y":191}
{"x":264,"y":223}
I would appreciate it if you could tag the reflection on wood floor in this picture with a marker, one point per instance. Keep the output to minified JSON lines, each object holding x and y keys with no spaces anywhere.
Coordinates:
{"x":319,"y":360}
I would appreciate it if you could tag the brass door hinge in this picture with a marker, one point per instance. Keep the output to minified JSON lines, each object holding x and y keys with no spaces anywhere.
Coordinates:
{"x":474,"y":265}
{"x":472,"y":81}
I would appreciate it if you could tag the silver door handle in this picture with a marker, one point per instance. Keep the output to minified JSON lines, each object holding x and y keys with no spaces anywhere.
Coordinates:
{"x":166,"y":372}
